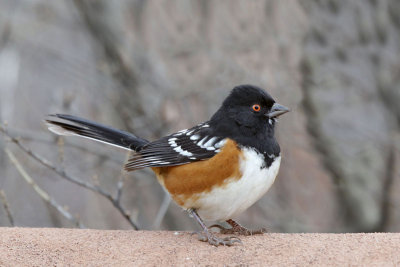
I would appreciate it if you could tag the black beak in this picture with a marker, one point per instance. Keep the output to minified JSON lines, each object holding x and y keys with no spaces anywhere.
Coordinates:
{"x":277,"y":110}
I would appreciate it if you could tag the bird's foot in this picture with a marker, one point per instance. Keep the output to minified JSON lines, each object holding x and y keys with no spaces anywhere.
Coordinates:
{"x":238,"y":229}
{"x":207,"y":236}
{"x":212,"y":239}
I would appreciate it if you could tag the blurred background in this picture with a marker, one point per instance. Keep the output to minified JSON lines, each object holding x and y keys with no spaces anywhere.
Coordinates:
{"x":155,"y":67}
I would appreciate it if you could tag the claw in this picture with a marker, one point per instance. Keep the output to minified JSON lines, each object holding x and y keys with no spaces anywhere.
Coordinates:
{"x":234,"y":239}
{"x":238,"y":229}
{"x":237,"y":241}
{"x":216,"y":241}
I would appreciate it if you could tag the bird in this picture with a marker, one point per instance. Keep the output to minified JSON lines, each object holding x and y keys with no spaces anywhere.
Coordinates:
{"x":214,"y":170}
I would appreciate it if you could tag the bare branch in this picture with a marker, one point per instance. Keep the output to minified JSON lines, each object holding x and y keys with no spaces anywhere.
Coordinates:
{"x":122,"y":179}
{"x":3,"y":199}
{"x":97,"y":189}
{"x":120,"y":185}
{"x":60,"y":145}
{"x":43,"y":194}
{"x":32,"y":136}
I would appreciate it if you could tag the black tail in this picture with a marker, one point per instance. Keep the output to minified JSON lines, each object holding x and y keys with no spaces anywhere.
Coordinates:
{"x":70,"y":125}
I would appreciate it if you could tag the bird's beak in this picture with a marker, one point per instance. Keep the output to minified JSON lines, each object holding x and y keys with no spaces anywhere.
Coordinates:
{"x":277,"y":110}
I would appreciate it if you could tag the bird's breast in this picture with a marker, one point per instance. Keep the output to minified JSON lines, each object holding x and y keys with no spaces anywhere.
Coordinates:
{"x":223,"y":186}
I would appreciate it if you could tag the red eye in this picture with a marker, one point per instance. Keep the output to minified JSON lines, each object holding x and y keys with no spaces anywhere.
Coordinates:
{"x":256,"y":108}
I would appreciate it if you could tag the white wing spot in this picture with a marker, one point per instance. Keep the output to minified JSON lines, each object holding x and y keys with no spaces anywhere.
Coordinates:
{"x":210,"y":142}
{"x":172,"y":142}
{"x":181,"y":132}
{"x":220,"y":143}
{"x":201,"y":142}
{"x":160,"y":162}
{"x":195,"y":137}
{"x":189,"y":132}
{"x":183,"y":152}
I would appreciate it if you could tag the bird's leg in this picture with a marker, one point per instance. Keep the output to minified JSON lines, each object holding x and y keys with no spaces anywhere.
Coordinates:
{"x":207,"y":236}
{"x":238,"y":229}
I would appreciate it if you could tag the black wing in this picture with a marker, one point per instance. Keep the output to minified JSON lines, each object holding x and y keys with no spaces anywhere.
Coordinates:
{"x":189,"y":145}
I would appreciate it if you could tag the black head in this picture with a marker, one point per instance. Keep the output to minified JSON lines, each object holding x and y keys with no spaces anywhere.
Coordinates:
{"x":248,"y":111}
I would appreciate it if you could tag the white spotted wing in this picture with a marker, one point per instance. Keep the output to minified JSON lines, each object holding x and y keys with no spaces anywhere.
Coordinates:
{"x":185,"y":146}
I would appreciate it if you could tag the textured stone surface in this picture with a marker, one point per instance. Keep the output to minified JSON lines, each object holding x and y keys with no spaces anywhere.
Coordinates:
{"x":44,"y":247}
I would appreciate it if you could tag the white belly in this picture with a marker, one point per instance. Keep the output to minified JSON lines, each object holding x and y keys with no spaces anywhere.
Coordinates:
{"x":224,"y":203}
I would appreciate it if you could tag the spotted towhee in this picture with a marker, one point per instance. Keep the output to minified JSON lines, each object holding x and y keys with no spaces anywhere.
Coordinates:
{"x":215,"y":170}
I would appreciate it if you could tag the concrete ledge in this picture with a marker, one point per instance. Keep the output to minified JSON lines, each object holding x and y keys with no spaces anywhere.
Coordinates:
{"x":50,"y":247}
